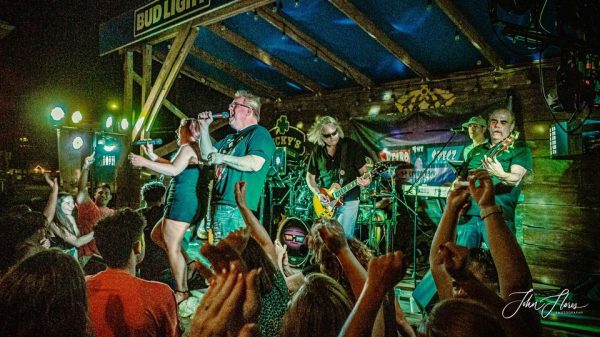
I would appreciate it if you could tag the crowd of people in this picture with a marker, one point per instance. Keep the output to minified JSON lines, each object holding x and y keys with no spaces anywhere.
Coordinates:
{"x":47,"y":287}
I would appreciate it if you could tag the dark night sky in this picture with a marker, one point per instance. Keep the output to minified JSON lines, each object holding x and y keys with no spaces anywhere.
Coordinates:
{"x":51,"y":57}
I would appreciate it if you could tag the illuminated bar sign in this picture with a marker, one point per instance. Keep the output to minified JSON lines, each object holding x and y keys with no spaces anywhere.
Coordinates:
{"x":151,"y":19}
{"x":158,"y":13}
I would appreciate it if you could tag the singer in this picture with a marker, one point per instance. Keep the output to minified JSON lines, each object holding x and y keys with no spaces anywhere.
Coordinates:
{"x":186,"y":197}
{"x":245,"y":155}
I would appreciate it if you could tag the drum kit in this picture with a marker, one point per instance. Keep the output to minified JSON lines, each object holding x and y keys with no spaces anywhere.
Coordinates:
{"x":375,"y":220}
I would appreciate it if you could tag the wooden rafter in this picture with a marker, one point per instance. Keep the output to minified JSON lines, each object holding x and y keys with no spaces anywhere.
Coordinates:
{"x":201,"y":78}
{"x":257,"y":86}
{"x":166,"y":77}
{"x":233,"y":9}
{"x":289,"y":29}
{"x":380,"y":36}
{"x":264,"y":57}
{"x":470,"y":32}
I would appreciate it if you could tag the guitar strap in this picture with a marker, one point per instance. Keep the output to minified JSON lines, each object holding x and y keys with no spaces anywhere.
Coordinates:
{"x":343,"y":164}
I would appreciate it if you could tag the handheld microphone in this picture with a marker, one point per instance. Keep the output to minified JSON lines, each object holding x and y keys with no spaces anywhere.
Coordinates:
{"x":157,"y":141}
{"x":459,"y":130}
{"x":220,"y":115}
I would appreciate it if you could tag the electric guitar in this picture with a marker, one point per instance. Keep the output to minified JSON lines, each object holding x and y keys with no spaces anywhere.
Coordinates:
{"x":335,"y":193}
{"x":461,"y":168}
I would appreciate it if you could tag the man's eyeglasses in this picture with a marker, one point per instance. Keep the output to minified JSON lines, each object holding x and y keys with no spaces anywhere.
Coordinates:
{"x":234,"y":104}
{"x":329,"y":135}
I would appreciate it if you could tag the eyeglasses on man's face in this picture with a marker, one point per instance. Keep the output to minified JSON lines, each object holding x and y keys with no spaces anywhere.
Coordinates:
{"x":234,"y":104}
{"x":329,"y":135}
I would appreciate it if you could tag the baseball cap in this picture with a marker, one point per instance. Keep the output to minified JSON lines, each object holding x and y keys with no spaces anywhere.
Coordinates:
{"x":475,"y":120}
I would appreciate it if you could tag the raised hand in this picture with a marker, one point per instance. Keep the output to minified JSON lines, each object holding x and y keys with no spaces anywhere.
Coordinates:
{"x":455,"y":260}
{"x":53,"y":183}
{"x":219,"y":305}
{"x":385,"y":271}
{"x":483,"y":193}
{"x":458,"y":196}
{"x":89,"y":160}
{"x":332,"y":235}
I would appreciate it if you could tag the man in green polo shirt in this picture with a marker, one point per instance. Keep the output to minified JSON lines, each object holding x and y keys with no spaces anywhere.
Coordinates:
{"x":476,"y":126}
{"x":507,"y":169}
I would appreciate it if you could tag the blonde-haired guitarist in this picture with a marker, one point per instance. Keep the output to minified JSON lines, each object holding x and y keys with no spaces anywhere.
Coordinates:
{"x":507,"y":164}
{"x":336,"y":161}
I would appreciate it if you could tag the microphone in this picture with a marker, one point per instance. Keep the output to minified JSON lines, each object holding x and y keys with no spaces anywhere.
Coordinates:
{"x":460,"y":129}
{"x":157,"y":141}
{"x":220,"y":115}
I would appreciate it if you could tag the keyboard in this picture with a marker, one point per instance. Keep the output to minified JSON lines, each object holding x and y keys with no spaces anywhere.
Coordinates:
{"x":427,"y":191}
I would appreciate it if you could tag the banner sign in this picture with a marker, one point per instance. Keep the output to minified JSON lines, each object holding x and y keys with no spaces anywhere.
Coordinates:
{"x":289,"y":137}
{"x":152,"y":18}
{"x":420,"y":161}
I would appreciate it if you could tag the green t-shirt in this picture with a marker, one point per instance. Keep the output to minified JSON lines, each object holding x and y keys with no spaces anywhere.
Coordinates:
{"x":506,"y":196}
{"x":253,"y":140}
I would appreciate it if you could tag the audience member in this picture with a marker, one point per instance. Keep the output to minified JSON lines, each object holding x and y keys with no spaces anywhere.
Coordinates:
{"x":66,"y":235}
{"x":120,"y":303}
{"x":319,"y":308}
{"x":21,"y":236}
{"x":89,"y":211}
{"x":155,"y":266}
{"x":44,"y":296}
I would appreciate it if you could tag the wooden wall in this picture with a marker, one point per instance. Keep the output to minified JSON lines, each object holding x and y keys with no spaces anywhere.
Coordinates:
{"x":557,"y":221}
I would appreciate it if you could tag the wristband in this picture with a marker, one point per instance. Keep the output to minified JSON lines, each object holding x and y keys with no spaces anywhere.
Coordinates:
{"x":489,"y":210}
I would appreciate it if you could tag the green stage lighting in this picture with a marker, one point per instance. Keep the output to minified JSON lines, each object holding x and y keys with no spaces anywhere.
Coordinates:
{"x":124,"y":124}
{"x":57,"y":114}
{"x":77,"y":143}
{"x":108,"y":122}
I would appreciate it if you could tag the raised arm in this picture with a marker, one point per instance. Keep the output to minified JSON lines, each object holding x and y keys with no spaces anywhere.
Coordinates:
{"x":149,"y":150}
{"x":50,"y":208}
{"x":206,"y":145}
{"x":384,"y":273}
{"x":445,"y":232}
{"x":182,"y":159}
{"x":513,"y":272}
{"x":334,"y":238}
{"x":82,"y":192}
{"x":258,"y":232}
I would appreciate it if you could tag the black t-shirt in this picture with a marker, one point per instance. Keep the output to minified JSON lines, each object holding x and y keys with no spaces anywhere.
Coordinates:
{"x":329,"y":170}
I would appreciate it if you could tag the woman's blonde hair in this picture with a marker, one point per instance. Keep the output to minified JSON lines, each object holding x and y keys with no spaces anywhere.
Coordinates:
{"x":314,"y":133}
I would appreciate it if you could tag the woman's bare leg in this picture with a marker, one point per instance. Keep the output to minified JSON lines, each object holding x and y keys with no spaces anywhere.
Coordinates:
{"x":157,"y":234}
{"x":173,"y":232}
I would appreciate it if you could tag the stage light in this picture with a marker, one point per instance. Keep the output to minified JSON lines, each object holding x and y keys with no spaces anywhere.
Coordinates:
{"x":124,"y":124}
{"x":76,"y":117}
{"x":108,"y":122}
{"x":57,"y":114}
{"x":77,"y":143}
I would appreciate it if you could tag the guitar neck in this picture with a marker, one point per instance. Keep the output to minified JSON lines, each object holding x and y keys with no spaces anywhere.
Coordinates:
{"x":345,"y":189}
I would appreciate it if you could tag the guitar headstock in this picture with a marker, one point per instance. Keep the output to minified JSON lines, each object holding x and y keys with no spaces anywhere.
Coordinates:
{"x":508,"y":141}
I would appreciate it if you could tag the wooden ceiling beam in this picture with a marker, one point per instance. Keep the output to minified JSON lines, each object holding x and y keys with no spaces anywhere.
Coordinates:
{"x":233,"y":9}
{"x":201,"y":78}
{"x":380,"y":36}
{"x":257,"y":86}
{"x":290,"y":30}
{"x":461,"y":22}
{"x":168,"y":72}
{"x":253,"y":50}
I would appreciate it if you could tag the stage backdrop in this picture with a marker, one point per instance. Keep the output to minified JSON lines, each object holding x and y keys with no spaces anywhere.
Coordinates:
{"x":417,"y":137}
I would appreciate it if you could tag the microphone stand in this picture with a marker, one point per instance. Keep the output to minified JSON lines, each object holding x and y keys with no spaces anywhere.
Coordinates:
{"x":416,"y":184}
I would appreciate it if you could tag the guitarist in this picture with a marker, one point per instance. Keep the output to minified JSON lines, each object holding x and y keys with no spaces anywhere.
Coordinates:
{"x":507,"y":169}
{"x":336,"y":160}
